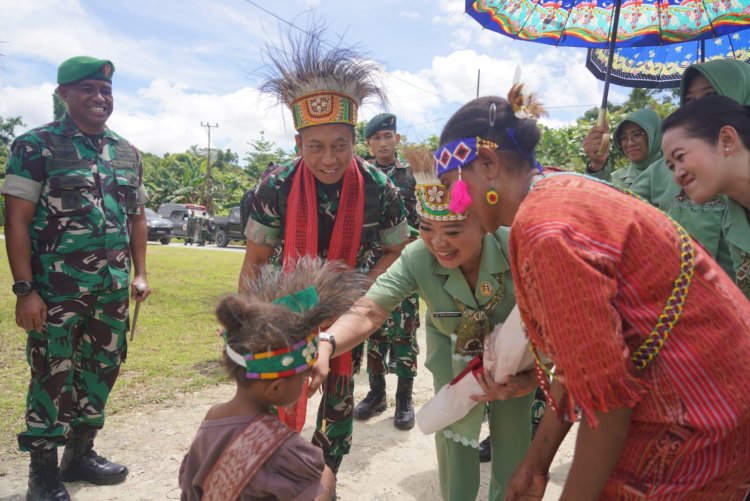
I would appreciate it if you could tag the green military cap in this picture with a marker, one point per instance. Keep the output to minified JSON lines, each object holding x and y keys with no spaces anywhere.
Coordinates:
{"x":384,"y":121}
{"x":80,"y":67}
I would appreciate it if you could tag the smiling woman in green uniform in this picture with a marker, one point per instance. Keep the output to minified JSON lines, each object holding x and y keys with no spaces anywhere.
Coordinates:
{"x":706,"y":147}
{"x":703,"y":221}
{"x":464,"y":278}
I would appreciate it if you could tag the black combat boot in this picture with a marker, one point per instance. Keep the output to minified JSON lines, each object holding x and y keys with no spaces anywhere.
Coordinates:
{"x":44,"y":481}
{"x":374,"y":402}
{"x":404,"y":419}
{"x":80,"y":462}
{"x":485,"y":451}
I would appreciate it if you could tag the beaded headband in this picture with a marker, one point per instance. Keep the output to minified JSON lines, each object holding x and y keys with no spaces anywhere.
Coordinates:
{"x":433,"y":201}
{"x":433,"y":198}
{"x":286,"y":361}
{"x":459,"y":153}
{"x":324,"y":107}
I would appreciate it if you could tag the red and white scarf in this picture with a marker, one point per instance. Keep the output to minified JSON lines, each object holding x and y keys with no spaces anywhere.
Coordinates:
{"x":301,"y":239}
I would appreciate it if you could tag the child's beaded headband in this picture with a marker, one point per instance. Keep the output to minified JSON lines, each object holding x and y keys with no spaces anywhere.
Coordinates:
{"x":286,"y":361}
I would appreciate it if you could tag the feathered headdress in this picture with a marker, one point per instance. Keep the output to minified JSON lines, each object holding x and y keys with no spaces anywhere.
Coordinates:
{"x":316,"y":290}
{"x":523,"y":106}
{"x":321,"y":83}
{"x":432,"y":197}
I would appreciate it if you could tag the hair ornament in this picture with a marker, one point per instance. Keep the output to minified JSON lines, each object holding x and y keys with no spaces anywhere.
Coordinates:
{"x":493,"y":114}
{"x":525,"y":106}
{"x":433,"y":199}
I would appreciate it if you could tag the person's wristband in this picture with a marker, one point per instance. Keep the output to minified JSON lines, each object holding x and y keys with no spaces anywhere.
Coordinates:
{"x":325,"y":337}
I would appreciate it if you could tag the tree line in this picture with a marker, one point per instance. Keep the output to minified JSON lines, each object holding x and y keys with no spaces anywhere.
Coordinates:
{"x":181,"y":177}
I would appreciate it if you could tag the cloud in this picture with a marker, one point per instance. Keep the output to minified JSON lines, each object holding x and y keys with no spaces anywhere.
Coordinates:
{"x":409,"y":15}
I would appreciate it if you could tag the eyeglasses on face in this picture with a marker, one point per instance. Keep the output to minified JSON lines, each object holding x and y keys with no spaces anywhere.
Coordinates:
{"x":632,"y":137}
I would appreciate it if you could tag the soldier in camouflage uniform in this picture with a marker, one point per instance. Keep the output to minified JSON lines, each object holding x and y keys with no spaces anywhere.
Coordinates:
{"x":399,"y":332}
{"x":74,"y":197}
{"x":327,"y":202}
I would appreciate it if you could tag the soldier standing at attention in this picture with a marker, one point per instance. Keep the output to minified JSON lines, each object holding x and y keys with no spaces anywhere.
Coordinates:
{"x":399,"y":332}
{"x":74,"y":200}
{"x":327,"y":202}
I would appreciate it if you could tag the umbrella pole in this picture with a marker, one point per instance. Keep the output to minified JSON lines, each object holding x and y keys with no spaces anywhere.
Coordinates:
{"x":607,"y":77}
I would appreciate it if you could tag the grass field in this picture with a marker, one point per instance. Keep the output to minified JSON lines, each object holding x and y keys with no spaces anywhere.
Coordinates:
{"x":176,"y":347}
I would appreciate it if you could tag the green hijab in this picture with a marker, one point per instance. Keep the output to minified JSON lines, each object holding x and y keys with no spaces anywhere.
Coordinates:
{"x":650,"y":122}
{"x":729,"y":77}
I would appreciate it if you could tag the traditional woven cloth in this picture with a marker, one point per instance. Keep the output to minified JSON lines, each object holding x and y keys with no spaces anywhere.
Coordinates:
{"x":593,"y":268}
{"x":242,"y":459}
{"x":301,"y":239}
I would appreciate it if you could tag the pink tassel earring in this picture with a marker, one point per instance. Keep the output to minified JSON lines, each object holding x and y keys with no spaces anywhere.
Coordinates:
{"x":460,"y":198}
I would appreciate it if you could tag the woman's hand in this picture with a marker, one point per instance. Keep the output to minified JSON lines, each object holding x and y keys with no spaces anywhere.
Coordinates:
{"x":592,"y":144}
{"x":517,"y":386}
{"x":320,"y":368}
{"x":526,"y":484}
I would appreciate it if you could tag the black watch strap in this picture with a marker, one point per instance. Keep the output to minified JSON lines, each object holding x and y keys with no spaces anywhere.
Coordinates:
{"x":24,"y":287}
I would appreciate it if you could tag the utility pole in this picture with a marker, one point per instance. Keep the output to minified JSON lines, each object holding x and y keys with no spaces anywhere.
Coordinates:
{"x":207,"y":185}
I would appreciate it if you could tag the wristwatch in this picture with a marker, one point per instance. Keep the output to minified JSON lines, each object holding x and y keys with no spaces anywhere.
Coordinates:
{"x":325,"y":337}
{"x":24,"y":287}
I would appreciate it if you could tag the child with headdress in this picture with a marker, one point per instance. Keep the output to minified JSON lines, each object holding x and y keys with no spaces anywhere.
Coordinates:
{"x":241,"y":450}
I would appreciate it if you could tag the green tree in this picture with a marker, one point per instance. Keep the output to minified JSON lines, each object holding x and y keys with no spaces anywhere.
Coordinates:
{"x":262,"y":153}
{"x":59,"y":107}
{"x":7,"y":134}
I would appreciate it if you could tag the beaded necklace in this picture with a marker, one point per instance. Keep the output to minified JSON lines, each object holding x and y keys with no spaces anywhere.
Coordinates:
{"x":671,"y":313}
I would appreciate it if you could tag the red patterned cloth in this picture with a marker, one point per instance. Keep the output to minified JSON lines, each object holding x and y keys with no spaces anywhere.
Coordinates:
{"x":593,"y":269}
{"x":301,"y":239}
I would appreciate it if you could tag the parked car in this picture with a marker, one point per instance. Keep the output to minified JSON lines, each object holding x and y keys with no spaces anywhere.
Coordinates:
{"x":159,"y":228}
{"x":178,"y":214}
{"x":229,"y":228}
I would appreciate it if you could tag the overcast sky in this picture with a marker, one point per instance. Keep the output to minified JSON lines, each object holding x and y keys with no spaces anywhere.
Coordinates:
{"x":183,"y":62}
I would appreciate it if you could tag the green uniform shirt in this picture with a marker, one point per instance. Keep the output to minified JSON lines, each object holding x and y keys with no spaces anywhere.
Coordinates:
{"x":702,"y":221}
{"x":83,"y":187}
{"x":417,"y":270}
{"x":736,"y":229}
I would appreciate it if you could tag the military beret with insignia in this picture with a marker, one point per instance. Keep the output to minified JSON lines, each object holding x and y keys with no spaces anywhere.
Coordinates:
{"x":80,"y":67}
{"x":384,"y":121}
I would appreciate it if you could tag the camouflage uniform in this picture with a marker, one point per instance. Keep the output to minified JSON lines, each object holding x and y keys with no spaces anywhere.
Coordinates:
{"x":384,"y":224}
{"x":84,"y":188}
{"x":399,"y":332}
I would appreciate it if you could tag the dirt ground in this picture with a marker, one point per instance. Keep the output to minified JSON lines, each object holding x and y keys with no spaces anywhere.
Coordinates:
{"x":385,"y":463}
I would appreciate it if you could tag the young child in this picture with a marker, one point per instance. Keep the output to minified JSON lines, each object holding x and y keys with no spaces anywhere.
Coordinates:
{"x":241,"y":450}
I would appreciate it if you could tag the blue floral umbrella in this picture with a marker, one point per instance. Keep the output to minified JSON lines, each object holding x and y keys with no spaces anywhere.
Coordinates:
{"x":610,"y":23}
{"x":662,"y":67}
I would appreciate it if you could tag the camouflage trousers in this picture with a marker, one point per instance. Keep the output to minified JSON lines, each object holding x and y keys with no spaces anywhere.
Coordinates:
{"x":335,"y":422}
{"x":398,"y":334}
{"x":74,"y":364}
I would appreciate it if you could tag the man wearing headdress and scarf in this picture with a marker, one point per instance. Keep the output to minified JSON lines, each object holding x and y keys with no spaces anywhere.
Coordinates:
{"x":327,"y":202}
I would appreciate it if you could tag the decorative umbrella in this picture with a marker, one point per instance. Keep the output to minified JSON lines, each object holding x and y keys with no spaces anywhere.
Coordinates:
{"x":610,"y":24}
{"x":662,"y":67}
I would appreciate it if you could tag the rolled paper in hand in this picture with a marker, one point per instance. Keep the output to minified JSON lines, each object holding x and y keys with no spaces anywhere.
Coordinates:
{"x":506,"y":353}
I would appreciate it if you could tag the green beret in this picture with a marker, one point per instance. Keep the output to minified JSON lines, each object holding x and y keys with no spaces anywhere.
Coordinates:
{"x":80,"y":67}
{"x":384,"y":121}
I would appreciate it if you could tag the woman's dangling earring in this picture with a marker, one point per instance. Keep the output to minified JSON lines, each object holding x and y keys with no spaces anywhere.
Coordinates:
{"x":491,"y":196}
